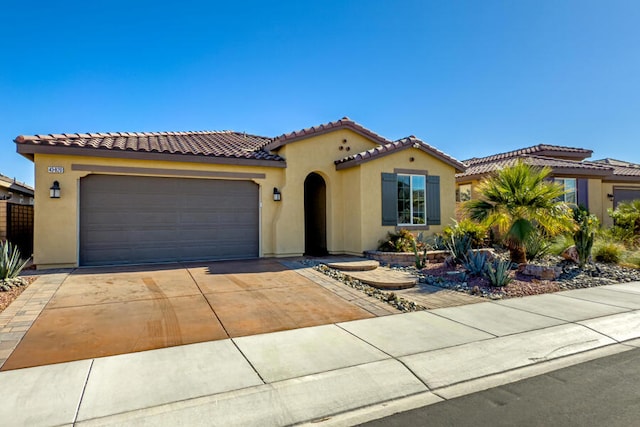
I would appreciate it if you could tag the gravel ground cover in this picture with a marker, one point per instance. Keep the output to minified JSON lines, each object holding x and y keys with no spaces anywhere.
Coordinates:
{"x":455,"y":278}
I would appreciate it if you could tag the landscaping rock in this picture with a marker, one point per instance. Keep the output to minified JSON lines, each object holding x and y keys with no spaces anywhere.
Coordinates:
{"x":571,"y":254}
{"x":543,"y":272}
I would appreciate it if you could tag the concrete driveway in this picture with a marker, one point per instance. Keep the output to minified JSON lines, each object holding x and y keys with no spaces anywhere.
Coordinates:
{"x":107,"y":311}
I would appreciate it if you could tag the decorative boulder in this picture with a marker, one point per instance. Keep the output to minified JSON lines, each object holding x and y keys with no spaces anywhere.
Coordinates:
{"x":540,"y":271}
{"x":571,"y":254}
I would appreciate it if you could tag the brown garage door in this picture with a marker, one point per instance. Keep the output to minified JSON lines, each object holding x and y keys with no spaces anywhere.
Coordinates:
{"x":129,"y":220}
{"x":625,"y":195}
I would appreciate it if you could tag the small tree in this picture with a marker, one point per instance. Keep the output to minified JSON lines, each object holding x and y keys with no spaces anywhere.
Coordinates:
{"x":517,"y":200}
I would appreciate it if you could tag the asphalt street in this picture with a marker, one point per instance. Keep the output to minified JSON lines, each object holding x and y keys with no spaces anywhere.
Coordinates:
{"x":602,"y":392}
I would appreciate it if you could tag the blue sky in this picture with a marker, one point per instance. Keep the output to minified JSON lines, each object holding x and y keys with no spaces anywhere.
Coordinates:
{"x":471,"y":78}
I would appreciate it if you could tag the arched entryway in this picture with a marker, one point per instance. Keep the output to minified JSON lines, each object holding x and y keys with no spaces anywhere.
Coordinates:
{"x":315,"y":215}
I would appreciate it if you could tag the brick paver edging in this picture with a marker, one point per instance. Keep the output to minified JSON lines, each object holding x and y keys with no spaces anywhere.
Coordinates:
{"x":16,"y":319}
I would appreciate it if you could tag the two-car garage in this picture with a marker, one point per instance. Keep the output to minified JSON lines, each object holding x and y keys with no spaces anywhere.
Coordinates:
{"x":141,"y":219}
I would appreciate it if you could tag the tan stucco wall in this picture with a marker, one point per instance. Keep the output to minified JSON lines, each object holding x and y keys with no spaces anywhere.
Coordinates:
{"x":607,"y":188}
{"x":56,"y":231}
{"x":317,"y":154}
{"x":372,"y":192}
{"x":353,"y":196}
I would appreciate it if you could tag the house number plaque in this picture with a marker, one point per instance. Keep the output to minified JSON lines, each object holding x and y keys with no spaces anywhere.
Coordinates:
{"x":55,"y":169}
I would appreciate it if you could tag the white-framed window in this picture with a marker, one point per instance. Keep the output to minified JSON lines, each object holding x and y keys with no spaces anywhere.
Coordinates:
{"x":411,"y":199}
{"x":570,"y":189}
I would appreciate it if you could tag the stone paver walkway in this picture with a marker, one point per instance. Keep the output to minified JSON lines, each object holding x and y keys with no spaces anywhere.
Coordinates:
{"x":16,"y":319}
{"x":433,"y":297}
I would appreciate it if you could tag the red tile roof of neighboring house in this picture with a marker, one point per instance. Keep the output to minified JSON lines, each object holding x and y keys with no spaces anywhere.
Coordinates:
{"x":557,"y":151}
{"x":223,"y":144}
{"x":390,"y":147}
{"x":343,"y":123}
{"x":559,"y":166}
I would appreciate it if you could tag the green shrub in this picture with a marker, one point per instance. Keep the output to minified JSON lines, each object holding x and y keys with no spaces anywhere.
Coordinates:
{"x":401,"y":241}
{"x":10,"y":262}
{"x":584,"y":234}
{"x":608,"y":252}
{"x":498,"y":272}
{"x":560,"y":243}
{"x":458,"y":246}
{"x":537,"y":245}
{"x":632,"y":259}
{"x":420,"y":258}
{"x":627,"y":216}
{"x":476,"y":232}
{"x":475,"y":263}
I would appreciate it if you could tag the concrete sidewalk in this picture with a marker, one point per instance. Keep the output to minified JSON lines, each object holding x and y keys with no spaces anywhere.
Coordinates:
{"x":339,"y":374}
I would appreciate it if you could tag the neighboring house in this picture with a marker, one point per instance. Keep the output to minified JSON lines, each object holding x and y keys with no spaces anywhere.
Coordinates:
{"x":597,"y":185}
{"x":15,"y":191}
{"x":129,"y":198}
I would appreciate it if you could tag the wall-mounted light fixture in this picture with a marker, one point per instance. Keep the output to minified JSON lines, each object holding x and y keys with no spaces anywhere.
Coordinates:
{"x":610,"y":196}
{"x":277,"y":196}
{"x":54,"y":191}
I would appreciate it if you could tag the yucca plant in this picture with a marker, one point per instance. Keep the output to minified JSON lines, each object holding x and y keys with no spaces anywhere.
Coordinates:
{"x":498,"y":272}
{"x":10,"y":262}
{"x":475,"y":263}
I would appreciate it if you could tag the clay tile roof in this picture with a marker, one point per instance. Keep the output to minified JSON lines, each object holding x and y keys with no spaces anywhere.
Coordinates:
{"x":226,"y":144}
{"x":547,"y":150}
{"x":557,"y":165}
{"x":382,"y":150}
{"x":343,"y":123}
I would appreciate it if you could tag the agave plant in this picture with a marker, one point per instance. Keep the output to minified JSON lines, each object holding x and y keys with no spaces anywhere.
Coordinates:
{"x":475,"y":262}
{"x":10,"y":262}
{"x":498,"y":272}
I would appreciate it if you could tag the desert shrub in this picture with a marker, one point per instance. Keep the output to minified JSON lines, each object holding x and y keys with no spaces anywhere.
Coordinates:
{"x":475,"y":263}
{"x":632,"y":259}
{"x":626,"y":216}
{"x":420,"y":247}
{"x":537,"y":245}
{"x":476,"y":232}
{"x":560,"y":243}
{"x":401,"y":241}
{"x":608,"y":252}
{"x":498,"y":272}
{"x":458,"y":247}
{"x":11,"y":263}
{"x":620,"y":235}
{"x":584,"y":234}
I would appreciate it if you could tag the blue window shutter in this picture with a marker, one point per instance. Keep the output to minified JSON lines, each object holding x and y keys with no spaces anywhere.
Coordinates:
{"x":389,"y":199}
{"x":433,"y":200}
{"x":582,"y":187}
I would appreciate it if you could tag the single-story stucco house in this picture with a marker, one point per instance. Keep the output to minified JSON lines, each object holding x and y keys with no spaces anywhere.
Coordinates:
{"x":127,"y":198}
{"x":597,"y":185}
{"x":15,"y":191}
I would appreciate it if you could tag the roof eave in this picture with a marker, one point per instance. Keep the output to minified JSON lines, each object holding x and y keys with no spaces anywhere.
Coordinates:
{"x":352,"y":126}
{"x":28,"y":150}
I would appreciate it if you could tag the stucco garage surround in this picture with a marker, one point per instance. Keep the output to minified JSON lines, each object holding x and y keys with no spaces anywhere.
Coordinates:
{"x":135,"y":219}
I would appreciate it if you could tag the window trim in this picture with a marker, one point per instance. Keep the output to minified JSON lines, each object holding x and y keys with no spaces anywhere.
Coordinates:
{"x":411,"y":201}
{"x":562,"y":181}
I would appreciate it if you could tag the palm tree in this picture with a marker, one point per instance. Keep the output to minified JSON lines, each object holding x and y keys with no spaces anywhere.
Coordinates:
{"x":518,"y":200}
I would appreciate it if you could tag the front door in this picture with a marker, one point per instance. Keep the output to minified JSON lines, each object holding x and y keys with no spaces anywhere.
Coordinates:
{"x":315,"y":215}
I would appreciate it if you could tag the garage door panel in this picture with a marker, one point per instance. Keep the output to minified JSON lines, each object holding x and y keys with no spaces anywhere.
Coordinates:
{"x":625,"y":195}
{"x":127,"y":220}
